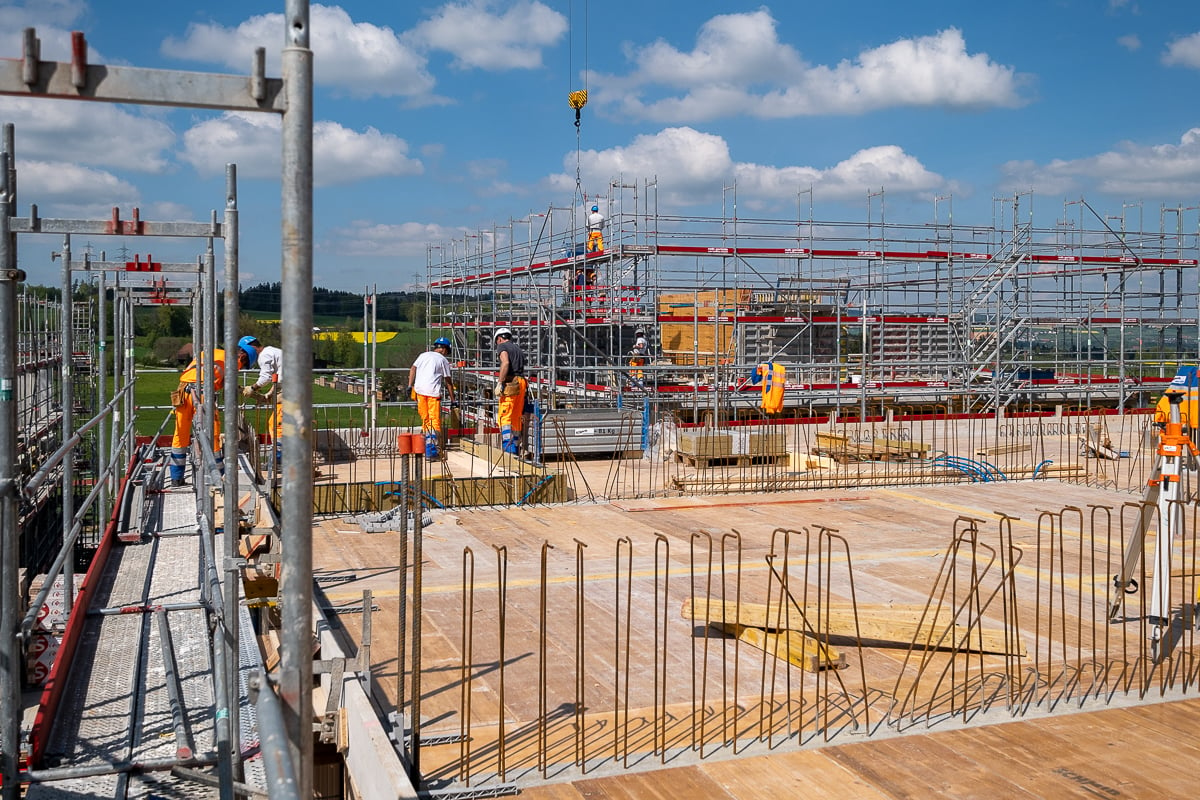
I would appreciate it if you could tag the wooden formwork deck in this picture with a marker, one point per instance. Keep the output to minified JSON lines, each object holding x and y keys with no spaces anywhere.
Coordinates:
{"x":640,"y":557}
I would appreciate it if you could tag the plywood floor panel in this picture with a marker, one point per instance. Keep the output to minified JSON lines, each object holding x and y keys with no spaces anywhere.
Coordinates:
{"x":809,"y":774}
{"x":667,"y":784}
{"x":896,"y":536}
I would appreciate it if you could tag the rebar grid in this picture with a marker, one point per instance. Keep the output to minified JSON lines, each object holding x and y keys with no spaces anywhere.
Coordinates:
{"x":1011,"y":624}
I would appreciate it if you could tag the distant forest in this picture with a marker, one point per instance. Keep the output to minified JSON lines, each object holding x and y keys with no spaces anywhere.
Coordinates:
{"x":393,"y":306}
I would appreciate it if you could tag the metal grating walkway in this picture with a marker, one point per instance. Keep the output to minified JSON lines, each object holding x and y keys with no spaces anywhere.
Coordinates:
{"x":117,"y":705}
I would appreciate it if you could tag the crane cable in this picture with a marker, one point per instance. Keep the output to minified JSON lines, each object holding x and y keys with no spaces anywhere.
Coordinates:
{"x":577,"y":98}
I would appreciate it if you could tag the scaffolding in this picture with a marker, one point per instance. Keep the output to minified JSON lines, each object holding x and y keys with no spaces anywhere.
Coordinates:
{"x":1092,"y":311}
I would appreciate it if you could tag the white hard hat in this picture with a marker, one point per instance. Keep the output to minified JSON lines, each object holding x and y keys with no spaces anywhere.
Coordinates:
{"x":502,"y":332}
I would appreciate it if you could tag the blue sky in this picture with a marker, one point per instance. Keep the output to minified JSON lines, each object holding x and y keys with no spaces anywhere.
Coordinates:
{"x":435,"y":120}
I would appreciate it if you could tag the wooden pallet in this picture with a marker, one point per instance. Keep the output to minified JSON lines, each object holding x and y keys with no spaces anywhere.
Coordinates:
{"x":704,"y":462}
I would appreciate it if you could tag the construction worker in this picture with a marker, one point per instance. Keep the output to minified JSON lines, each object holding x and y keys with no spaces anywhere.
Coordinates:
{"x":428,"y":377}
{"x":639,"y":356}
{"x":579,"y":287}
{"x":270,"y":365}
{"x":595,"y":227}
{"x":187,"y":397}
{"x":511,"y":386}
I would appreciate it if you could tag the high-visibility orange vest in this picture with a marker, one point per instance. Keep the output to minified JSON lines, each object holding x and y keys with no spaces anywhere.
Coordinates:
{"x":192,"y":374}
{"x":774,"y":378}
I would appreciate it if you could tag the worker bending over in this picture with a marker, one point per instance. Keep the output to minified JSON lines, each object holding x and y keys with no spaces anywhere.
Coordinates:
{"x":187,"y":397}
{"x":268,"y":385}
{"x":428,"y":377}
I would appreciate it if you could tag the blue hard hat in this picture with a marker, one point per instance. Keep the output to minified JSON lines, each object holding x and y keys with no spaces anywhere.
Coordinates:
{"x":595,"y":208}
{"x":441,"y":341}
{"x":249,"y":345}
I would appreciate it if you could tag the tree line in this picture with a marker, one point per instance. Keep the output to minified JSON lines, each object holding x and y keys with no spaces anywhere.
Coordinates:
{"x":392,"y":306}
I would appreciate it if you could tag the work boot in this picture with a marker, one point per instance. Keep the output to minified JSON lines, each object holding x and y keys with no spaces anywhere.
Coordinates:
{"x":177,"y":482}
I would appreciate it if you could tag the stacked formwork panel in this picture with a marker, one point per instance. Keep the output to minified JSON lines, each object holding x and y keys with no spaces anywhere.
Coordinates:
{"x":998,"y":317}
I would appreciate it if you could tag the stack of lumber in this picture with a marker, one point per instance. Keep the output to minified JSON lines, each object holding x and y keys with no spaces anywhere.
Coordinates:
{"x":903,"y":626}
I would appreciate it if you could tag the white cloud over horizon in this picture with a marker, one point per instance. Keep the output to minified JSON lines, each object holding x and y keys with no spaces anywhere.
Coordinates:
{"x":1129,"y":170}
{"x":691,"y":166}
{"x":480,"y":36}
{"x":52,"y":130}
{"x":739,"y":66}
{"x":375,"y":239}
{"x":252,"y":141}
{"x":360,"y":58}
{"x":363,"y":59}
{"x":75,"y":191}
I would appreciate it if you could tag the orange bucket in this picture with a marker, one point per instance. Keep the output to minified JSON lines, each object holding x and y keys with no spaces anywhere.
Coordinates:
{"x":404,"y":444}
{"x":418,"y":443}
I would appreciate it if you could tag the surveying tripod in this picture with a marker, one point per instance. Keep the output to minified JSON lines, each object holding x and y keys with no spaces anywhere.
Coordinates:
{"x":1176,"y":459}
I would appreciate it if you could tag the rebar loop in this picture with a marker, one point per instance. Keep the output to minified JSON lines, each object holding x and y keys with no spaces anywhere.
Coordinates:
{"x":621,"y":693}
{"x":727,"y":707}
{"x":830,"y":536}
{"x":542,"y":665}
{"x":662,"y":576}
{"x":467,"y":648}
{"x":950,"y":602}
{"x":1010,"y":556}
{"x":580,"y":660}
{"x":501,"y":612}
{"x":782,"y":622}
{"x":700,"y":713}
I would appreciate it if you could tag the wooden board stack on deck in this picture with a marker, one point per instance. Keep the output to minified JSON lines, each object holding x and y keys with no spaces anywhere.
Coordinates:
{"x":902,"y":625}
{"x":738,"y":447}
{"x":841,"y":449}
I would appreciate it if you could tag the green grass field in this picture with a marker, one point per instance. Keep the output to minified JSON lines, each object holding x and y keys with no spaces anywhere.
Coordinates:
{"x":332,"y":408}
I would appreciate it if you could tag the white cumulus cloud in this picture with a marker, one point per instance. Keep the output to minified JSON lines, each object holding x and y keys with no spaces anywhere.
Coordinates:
{"x":252,"y":141}
{"x":364,"y":238}
{"x":479,"y":36}
{"x":50,"y":129}
{"x":1183,"y":52}
{"x":52,"y":20}
{"x":1130,"y":170}
{"x":691,"y":167}
{"x":1130,"y":42}
{"x":360,"y":58}
{"x":739,"y":66}
{"x":74,"y":191}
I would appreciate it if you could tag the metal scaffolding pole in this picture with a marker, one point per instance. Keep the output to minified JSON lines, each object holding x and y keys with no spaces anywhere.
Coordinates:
{"x":102,"y":388}
{"x":232,"y":421}
{"x":10,"y":549}
{"x":68,"y":419}
{"x":296,"y":665}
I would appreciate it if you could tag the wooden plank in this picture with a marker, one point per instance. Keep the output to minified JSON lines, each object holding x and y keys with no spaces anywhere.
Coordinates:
{"x":792,"y":646}
{"x":881,"y":623}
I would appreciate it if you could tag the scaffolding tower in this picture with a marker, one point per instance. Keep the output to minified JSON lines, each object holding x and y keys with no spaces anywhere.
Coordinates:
{"x":999,"y":317}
